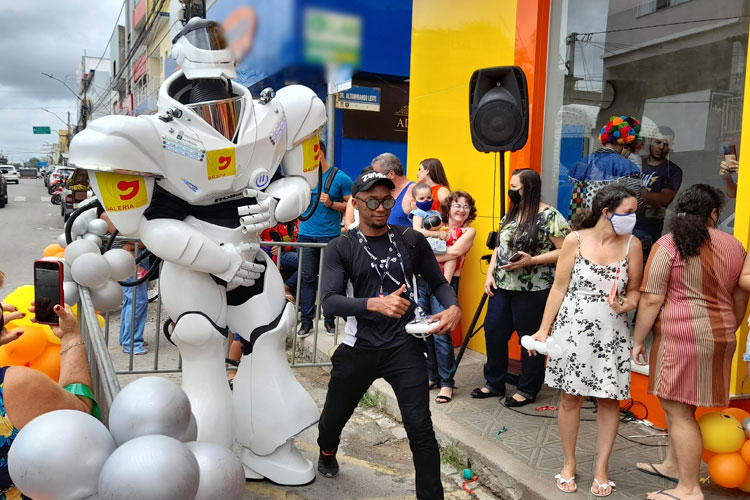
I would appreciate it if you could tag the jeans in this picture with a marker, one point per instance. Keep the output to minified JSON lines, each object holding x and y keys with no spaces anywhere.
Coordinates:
{"x":404,"y":368}
{"x":126,"y":314}
{"x":310,"y":265}
{"x":289,"y":262}
{"x":441,"y":361}
{"x":509,"y":311}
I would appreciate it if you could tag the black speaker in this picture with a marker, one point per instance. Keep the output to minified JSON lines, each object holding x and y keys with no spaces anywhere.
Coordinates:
{"x":499,"y":109}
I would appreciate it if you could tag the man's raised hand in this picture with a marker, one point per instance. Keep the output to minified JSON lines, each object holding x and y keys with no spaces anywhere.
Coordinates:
{"x":392,"y":305}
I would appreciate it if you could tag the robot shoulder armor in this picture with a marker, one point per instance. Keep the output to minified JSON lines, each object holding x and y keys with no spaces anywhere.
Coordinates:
{"x":305,"y":112}
{"x":117,"y":142}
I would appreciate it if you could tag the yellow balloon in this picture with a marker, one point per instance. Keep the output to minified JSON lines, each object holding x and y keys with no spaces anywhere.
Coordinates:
{"x":51,"y":337}
{"x":721,"y":433}
{"x":21,"y":297}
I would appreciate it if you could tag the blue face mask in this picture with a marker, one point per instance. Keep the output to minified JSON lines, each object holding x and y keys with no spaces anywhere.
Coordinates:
{"x":424,"y":205}
{"x":622,"y":223}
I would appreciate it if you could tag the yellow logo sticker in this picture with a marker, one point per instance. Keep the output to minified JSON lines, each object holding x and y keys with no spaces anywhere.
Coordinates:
{"x":221,"y":163}
{"x":311,"y":154}
{"x":121,"y":192}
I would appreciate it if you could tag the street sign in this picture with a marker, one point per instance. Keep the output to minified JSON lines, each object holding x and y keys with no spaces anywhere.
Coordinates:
{"x":332,"y":37}
{"x":360,"y":98}
{"x":42,"y":130}
{"x":41,"y":164}
{"x":339,"y":78}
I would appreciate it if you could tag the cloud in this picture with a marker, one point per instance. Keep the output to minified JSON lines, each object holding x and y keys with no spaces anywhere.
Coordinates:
{"x":51,"y":37}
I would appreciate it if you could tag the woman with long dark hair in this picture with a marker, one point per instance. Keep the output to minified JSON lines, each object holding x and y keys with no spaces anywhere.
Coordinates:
{"x":521,"y":272}
{"x":596,"y":284}
{"x":692,"y":303}
{"x":432,"y":173}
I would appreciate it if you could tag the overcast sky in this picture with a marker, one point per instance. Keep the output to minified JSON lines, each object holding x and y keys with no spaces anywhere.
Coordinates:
{"x":45,"y":36}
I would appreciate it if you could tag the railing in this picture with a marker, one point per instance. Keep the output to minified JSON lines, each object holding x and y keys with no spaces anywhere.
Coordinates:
{"x":106,"y":371}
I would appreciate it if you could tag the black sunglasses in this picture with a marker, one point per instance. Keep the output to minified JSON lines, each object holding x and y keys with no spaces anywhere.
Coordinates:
{"x":373,"y":204}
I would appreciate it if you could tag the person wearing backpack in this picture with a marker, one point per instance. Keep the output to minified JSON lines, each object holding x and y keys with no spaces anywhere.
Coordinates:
{"x":369,"y":277}
{"x":322,"y":227}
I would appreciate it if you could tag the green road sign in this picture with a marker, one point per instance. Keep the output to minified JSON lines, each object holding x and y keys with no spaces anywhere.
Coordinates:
{"x":42,"y":130}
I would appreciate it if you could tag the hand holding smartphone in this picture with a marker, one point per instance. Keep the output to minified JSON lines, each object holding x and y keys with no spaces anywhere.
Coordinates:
{"x":48,"y":290}
{"x":515,"y":257}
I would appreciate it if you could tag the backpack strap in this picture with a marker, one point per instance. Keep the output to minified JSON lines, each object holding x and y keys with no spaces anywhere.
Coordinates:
{"x":329,"y":179}
{"x":344,"y":247}
{"x":409,"y":236}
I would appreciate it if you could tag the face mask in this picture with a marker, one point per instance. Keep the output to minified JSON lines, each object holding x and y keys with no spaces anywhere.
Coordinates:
{"x":622,"y":223}
{"x":424,"y":205}
{"x":514,"y":196}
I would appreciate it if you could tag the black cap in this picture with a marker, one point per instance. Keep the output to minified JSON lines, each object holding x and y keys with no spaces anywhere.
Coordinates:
{"x":365,"y":182}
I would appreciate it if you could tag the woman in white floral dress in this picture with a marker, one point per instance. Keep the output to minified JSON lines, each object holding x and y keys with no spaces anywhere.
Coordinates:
{"x":596,"y":283}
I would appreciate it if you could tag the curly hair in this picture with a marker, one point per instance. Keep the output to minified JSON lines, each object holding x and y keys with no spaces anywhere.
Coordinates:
{"x":445,"y":207}
{"x":610,"y":196}
{"x":690,"y":227}
{"x":623,"y":130}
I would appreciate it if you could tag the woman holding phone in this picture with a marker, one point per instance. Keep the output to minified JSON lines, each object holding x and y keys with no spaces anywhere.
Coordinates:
{"x":521,"y":272}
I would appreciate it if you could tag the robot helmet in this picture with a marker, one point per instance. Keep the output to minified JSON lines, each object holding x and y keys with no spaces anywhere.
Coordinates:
{"x":201,"y":49}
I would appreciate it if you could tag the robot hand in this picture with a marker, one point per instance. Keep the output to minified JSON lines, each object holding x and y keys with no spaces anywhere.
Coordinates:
{"x":259,"y":216}
{"x":241,"y":272}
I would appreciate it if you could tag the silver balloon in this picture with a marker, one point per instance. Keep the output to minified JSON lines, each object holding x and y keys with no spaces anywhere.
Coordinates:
{"x":150,"y":467}
{"x":221,"y":473}
{"x":80,"y":225}
{"x":149,"y":405}
{"x":60,"y":455}
{"x":107,"y":297}
{"x":78,"y":248}
{"x":70,"y":292}
{"x":121,"y":264}
{"x":90,"y":270}
{"x":95,"y":239}
{"x":191,"y":433}
{"x":62,"y":241}
{"x":746,"y":426}
{"x":98,"y":227}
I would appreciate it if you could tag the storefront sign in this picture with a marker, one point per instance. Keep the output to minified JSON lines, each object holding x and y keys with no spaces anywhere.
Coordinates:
{"x":360,"y":98}
{"x":389,"y":123}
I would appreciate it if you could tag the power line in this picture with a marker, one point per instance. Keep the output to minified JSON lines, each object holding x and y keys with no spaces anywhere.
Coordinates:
{"x":662,"y":25}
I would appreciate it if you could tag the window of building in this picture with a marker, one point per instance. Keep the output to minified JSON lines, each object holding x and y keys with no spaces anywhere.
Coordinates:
{"x":650,"y":6}
{"x":680,"y":72}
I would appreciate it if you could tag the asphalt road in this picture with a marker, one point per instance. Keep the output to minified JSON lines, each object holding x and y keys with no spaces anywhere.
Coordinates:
{"x":28,"y":223}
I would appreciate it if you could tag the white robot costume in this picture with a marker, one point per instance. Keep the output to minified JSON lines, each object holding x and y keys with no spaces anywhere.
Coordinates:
{"x":195,"y":184}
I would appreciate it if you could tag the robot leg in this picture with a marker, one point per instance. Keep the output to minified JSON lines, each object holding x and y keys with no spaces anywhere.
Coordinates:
{"x":271,"y":407}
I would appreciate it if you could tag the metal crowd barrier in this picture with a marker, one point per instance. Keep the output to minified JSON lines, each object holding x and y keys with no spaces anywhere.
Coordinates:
{"x":304,"y":352}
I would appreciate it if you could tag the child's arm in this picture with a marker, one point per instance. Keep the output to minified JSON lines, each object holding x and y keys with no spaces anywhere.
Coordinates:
{"x":417,"y":221}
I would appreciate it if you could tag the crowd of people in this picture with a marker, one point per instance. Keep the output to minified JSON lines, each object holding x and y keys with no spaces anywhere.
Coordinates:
{"x":395,"y":252}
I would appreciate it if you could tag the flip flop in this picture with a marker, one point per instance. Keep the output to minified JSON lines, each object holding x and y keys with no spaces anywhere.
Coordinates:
{"x":662,"y":492}
{"x":655,"y":472}
{"x":559,"y":479}
{"x":608,"y":486}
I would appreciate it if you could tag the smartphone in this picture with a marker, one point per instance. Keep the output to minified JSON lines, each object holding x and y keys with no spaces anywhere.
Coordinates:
{"x":515,"y":257}
{"x":48,"y":290}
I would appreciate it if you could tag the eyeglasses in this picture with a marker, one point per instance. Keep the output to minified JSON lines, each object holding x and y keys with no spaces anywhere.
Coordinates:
{"x":373,"y":204}
{"x":461,"y":207}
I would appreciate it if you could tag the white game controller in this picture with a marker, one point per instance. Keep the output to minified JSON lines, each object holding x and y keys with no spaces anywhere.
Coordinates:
{"x":420,"y":328}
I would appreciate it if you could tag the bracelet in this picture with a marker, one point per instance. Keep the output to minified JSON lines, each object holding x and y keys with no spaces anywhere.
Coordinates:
{"x":86,"y":392}
{"x":63,"y":351}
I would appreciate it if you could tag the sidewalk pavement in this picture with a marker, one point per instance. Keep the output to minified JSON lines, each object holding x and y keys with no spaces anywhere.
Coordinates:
{"x":521,"y":462}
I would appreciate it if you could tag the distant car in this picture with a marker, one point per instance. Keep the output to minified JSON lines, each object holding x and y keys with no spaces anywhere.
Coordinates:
{"x":59,"y":172}
{"x":28,"y":173}
{"x":10,"y":173}
{"x":3,"y":191}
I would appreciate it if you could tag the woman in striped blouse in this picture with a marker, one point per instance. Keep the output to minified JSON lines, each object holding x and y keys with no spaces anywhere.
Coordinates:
{"x":693,"y":304}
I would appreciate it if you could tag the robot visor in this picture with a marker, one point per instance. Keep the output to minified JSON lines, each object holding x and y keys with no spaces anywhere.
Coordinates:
{"x":208,"y":37}
{"x":223,"y":115}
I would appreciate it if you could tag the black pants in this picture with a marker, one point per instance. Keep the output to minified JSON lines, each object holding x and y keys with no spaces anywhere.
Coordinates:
{"x":405,"y":369}
{"x":509,"y":311}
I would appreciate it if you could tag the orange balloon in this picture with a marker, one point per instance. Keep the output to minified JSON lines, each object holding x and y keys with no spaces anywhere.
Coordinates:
{"x":51,"y":250}
{"x":746,"y":485}
{"x":728,"y":470}
{"x":28,"y":346}
{"x":745,"y":452}
{"x":737,"y":413}
{"x":5,"y":360}
{"x":60,"y":254}
{"x":706,"y":455}
{"x":48,"y":362}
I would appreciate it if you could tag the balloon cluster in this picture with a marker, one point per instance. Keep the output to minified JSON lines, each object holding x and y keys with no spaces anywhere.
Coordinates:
{"x":149,"y":451}
{"x":726,"y":447}
{"x":86,"y":226}
{"x":37,"y":347}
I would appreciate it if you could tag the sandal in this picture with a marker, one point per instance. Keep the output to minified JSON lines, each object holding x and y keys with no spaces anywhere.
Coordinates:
{"x":607,"y":487}
{"x":442,"y":398}
{"x":561,"y":480}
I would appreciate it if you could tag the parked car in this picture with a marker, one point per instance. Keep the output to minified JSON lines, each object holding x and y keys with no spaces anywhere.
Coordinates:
{"x":3,"y":191}
{"x":74,"y":191}
{"x":59,"y":172}
{"x":10,"y":173}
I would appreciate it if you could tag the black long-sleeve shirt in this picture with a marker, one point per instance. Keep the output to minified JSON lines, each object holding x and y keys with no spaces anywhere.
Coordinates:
{"x":371,"y":330}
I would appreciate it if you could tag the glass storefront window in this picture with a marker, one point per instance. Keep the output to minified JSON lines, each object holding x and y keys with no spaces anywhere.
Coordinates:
{"x":678,"y":66}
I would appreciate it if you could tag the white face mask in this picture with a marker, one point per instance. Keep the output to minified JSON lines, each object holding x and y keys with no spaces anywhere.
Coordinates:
{"x":622,"y":223}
